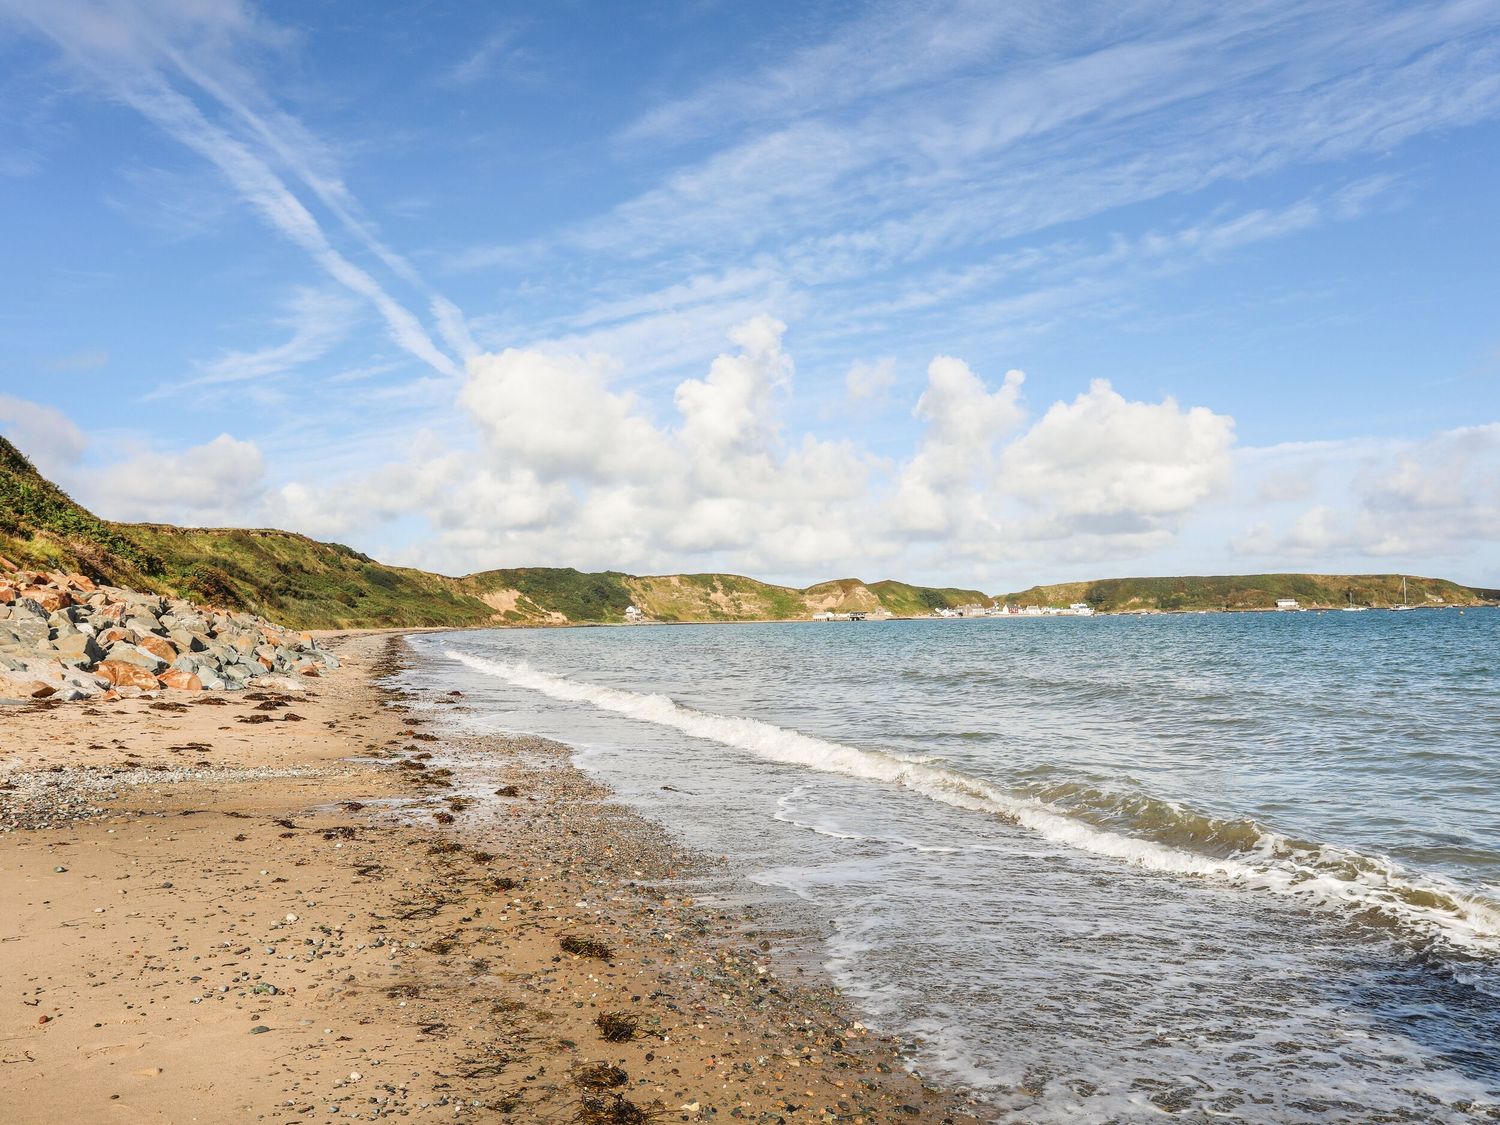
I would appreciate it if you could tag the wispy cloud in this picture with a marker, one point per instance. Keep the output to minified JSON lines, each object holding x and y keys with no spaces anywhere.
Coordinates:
{"x":147,"y":57}
{"x":497,"y":54}
{"x":315,"y":319}
{"x":91,"y":360}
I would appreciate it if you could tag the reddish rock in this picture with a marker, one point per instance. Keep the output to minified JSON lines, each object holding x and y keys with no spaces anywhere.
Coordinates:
{"x":82,"y":582}
{"x":8,"y":595}
{"x":158,"y":647}
{"x":310,"y":671}
{"x":180,"y":680}
{"x":121,"y":674}
{"x":48,"y":597}
{"x":114,"y":636}
{"x":36,"y":689}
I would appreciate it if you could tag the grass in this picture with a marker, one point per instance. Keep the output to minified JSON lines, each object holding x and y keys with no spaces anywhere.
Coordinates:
{"x":306,"y":584}
{"x":1250,"y":591}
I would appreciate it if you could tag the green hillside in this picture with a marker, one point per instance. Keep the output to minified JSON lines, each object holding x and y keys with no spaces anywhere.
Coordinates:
{"x":306,"y":584}
{"x":915,"y":601}
{"x":1250,"y":591}
{"x":288,"y":578}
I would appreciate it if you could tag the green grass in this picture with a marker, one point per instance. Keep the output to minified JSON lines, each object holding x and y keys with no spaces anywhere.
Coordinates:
{"x":1250,"y":591}
{"x":577,"y":595}
{"x":306,"y":584}
{"x":914,"y":601}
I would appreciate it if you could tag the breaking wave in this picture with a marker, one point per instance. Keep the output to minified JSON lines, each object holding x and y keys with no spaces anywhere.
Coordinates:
{"x":1147,"y":832}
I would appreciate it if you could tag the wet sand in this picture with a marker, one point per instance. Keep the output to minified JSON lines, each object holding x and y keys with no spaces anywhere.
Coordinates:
{"x":302,"y":906}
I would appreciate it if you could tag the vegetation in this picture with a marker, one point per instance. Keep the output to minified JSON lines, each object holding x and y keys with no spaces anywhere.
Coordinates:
{"x":303,"y":583}
{"x":289,"y":578}
{"x":914,"y":601}
{"x":1250,"y":591}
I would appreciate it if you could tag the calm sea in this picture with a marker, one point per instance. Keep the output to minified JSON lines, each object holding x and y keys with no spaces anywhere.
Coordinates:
{"x":1209,"y":868}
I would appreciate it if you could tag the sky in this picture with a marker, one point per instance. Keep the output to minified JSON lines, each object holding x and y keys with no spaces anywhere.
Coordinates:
{"x":977,"y":293}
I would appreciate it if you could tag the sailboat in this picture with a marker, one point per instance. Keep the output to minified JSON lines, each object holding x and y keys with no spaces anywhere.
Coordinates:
{"x":1404,"y":602}
{"x":1351,"y":607}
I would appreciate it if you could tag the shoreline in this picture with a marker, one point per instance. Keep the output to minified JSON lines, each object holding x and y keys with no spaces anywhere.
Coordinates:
{"x":237,"y":915}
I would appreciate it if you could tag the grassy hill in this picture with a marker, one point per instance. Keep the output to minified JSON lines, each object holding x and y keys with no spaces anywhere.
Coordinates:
{"x":288,"y":578}
{"x":303,"y":583}
{"x":1250,"y":591}
{"x":307,"y":584}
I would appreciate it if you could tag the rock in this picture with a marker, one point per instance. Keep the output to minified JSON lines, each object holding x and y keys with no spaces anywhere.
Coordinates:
{"x":158,"y":647}
{"x":79,"y":649}
{"x":134,"y":654}
{"x":48,"y":598}
{"x":123,"y":674}
{"x":179,"y":680}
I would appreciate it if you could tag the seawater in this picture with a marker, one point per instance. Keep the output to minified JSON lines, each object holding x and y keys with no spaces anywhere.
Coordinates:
{"x":1205,"y":867}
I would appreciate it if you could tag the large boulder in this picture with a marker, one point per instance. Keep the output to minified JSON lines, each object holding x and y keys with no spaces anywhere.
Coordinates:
{"x":120,"y":673}
{"x":159,"y":646}
{"x":78,"y":649}
{"x":123,"y":653}
{"x":180,"y":680}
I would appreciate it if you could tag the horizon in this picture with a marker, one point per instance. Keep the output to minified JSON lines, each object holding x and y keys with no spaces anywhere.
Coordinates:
{"x":945,"y":291}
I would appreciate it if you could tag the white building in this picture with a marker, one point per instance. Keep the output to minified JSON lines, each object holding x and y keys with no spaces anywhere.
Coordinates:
{"x":1287,"y":604}
{"x":634,"y":615}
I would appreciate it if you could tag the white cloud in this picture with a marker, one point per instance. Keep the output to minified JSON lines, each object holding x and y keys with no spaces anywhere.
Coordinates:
{"x":316,"y":320}
{"x":555,"y":415}
{"x":866,"y":382}
{"x":44,"y":434}
{"x":1103,"y":462}
{"x":219,"y":482}
{"x":941,"y":486}
{"x":175,"y":64}
{"x":1407,"y":500}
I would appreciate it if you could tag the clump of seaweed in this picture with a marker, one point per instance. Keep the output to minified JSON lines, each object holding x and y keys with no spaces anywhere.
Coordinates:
{"x":611,"y":1109}
{"x":507,"y":791}
{"x":616,"y":1027}
{"x":601,"y":1076}
{"x":586,"y":947}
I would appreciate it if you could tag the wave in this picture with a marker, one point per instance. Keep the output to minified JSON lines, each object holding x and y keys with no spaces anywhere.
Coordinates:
{"x":1146,"y":832}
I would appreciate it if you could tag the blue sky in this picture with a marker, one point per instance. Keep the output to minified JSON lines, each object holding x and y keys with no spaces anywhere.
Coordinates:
{"x":963,"y":292}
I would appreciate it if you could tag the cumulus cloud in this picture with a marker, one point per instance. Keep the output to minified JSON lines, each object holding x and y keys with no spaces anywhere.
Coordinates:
{"x":1433,"y":497}
{"x":965,"y":420}
{"x":219,"y":482}
{"x":556,"y":415}
{"x":1103,"y":461}
{"x":44,"y":434}
{"x":559,"y":466}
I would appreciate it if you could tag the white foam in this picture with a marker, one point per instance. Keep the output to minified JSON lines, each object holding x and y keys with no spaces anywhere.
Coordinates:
{"x":1466,"y":922}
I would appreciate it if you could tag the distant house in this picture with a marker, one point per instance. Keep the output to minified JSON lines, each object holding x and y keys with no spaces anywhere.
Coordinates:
{"x":634,"y":614}
{"x":1287,"y":603}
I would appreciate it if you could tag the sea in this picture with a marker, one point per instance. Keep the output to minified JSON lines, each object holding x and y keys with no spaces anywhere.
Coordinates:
{"x":1218,"y":867}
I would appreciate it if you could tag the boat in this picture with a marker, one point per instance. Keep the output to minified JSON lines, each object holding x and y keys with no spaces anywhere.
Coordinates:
{"x":1404,"y":601}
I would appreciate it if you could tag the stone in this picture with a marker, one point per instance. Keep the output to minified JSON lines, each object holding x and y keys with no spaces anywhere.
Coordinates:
{"x":122,"y":674}
{"x":179,"y":680}
{"x":47,"y":598}
{"x":134,"y":654}
{"x":79,"y":649}
{"x":159,"y":647}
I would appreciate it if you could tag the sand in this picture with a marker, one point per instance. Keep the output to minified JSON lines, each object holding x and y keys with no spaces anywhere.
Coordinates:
{"x":301,"y":906}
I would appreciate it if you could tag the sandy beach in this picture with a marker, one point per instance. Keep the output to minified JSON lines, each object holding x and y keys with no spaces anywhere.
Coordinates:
{"x":281,"y":905}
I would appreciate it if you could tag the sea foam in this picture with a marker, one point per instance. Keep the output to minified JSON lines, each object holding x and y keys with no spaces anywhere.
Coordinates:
{"x":1319,"y":875}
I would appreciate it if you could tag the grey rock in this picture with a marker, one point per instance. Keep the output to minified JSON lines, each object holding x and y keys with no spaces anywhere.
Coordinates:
{"x":78,"y":649}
